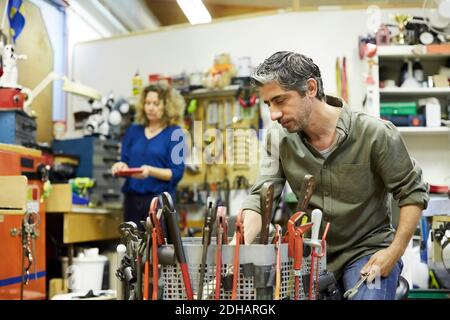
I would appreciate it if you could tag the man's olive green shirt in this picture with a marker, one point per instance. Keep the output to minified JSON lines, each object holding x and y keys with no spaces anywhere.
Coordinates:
{"x":353,"y":185}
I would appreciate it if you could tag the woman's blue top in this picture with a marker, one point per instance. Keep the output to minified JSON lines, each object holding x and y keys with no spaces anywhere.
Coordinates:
{"x":165,"y":150}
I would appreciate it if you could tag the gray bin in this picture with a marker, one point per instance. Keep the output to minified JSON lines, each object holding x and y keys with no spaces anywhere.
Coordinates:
{"x":256,"y":254}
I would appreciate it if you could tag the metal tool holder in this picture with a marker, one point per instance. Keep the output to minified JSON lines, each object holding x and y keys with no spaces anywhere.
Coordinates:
{"x":250,"y":256}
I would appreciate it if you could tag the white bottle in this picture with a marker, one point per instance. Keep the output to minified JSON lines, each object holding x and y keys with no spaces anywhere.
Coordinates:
{"x":433,"y":112}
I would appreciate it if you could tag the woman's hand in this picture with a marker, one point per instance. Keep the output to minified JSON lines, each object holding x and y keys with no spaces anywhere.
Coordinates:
{"x":146,"y":172}
{"x":118,"y":166}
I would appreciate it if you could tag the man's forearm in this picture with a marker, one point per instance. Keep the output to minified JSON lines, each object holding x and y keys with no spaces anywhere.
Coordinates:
{"x":252,"y":225}
{"x":407,"y":225}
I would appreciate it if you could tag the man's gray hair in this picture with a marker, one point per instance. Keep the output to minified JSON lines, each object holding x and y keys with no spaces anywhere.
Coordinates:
{"x":291,"y":71}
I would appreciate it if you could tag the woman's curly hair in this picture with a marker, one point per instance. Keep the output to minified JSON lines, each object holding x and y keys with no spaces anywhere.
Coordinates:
{"x":173,"y":102}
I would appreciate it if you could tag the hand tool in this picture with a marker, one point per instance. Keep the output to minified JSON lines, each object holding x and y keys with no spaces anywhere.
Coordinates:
{"x":316,"y":218}
{"x":148,"y":232}
{"x":304,"y":196}
{"x":175,"y":237}
{"x":154,"y":240}
{"x":139,"y":272}
{"x":206,"y":240}
{"x":239,"y":240}
{"x":295,"y":246}
{"x":306,"y":192}
{"x":127,"y":271}
{"x":277,"y":241}
{"x":266,"y":196}
{"x":353,"y":291}
{"x":121,"y":250}
{"x":318,"y":256}
{"x":30,"y":221}
{"x":221,"y":226}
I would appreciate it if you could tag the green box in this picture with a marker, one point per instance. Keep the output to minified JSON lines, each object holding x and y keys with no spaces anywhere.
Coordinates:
{"x":398,"y":108}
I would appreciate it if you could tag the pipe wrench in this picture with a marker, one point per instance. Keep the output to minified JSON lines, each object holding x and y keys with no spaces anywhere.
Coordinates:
{"x":295,"y":246}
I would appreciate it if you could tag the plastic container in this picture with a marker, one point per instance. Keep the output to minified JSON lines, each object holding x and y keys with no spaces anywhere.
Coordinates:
{"x":87,"y":271}
{"x":398,"y":108}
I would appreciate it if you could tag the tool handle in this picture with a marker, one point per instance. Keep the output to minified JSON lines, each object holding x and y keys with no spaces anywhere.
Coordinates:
{"x":236,"y":267}
{"x":155,"y":262}
{"x":266,"y":211}
{"x":218,"y":263}
{"x":121,"y":252}
{"x":187,"y":282}
{"x":222,"y":223}
{"x":206,"y":236}
{"x":175,"y":237}
{"x":305,"y":193}
{"x":316,"y":219}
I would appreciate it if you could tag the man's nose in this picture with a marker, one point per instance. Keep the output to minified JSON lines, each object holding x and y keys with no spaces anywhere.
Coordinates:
{"x":275,"y":115}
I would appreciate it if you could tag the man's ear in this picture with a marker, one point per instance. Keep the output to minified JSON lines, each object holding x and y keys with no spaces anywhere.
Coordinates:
{"x":312,"y":88}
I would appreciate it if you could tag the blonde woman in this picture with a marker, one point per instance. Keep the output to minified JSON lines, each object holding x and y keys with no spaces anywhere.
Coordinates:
{"x":153,"y":143}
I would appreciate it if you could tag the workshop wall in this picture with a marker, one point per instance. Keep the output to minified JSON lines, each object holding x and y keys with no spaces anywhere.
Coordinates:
{"x":322,"y":35}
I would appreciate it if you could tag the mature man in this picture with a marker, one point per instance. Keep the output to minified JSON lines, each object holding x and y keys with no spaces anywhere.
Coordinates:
{"x":358,"y":161}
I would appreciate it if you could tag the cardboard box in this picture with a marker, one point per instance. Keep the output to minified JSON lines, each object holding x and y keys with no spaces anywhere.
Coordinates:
{"x":60,"y":198}
{"x":438,"y":48}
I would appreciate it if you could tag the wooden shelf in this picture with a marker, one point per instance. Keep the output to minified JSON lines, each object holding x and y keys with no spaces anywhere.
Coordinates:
{"x":212,"y":93}
{"x":408,"y":52}
{"x":423,"y":130}
{"x":415,"y":91}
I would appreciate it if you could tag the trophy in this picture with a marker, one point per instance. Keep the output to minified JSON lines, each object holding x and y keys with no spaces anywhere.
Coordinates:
{"x":402,"y":20}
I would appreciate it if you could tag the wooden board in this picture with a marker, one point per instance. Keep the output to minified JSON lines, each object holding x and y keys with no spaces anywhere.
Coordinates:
{"x":82,"y":227}
{"x":13,"y":202}
{"x":60,"y":198}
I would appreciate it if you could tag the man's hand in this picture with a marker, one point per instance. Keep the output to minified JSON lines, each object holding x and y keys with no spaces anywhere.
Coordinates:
{"x":381,"y":263}
{"x":252,"y":226}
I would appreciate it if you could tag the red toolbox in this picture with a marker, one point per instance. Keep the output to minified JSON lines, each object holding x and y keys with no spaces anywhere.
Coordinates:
{"x":11,"y":99}
{"x":21,"y":161}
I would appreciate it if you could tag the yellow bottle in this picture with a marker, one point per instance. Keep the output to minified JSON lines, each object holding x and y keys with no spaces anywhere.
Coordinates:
{"x":137,"y":84}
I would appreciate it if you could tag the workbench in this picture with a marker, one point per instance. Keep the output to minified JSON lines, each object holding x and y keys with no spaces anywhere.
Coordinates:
{"x":72,"y":224}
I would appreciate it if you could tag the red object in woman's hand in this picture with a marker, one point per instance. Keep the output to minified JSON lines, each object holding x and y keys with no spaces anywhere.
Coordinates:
{"x":438,"y":189}
{"x":129,"y":172}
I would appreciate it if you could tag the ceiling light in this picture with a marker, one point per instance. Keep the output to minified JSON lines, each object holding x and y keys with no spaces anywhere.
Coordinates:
{"x":195,"y":11}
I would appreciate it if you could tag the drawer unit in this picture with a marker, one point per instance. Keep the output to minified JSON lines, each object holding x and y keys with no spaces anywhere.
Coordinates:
{"x":93,"y":153}
{"x":104,"y":179}
{"x":106,"y":197}
{"x":17,"y":128}
{"x":96,"y":158}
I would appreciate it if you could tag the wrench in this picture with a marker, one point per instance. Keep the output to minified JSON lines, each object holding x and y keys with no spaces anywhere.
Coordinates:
{"x":352,"y":292}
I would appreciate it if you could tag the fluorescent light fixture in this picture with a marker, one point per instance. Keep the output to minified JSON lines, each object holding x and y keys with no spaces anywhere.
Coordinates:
{"x":329,"y":8}
{"x":195,"y":11}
